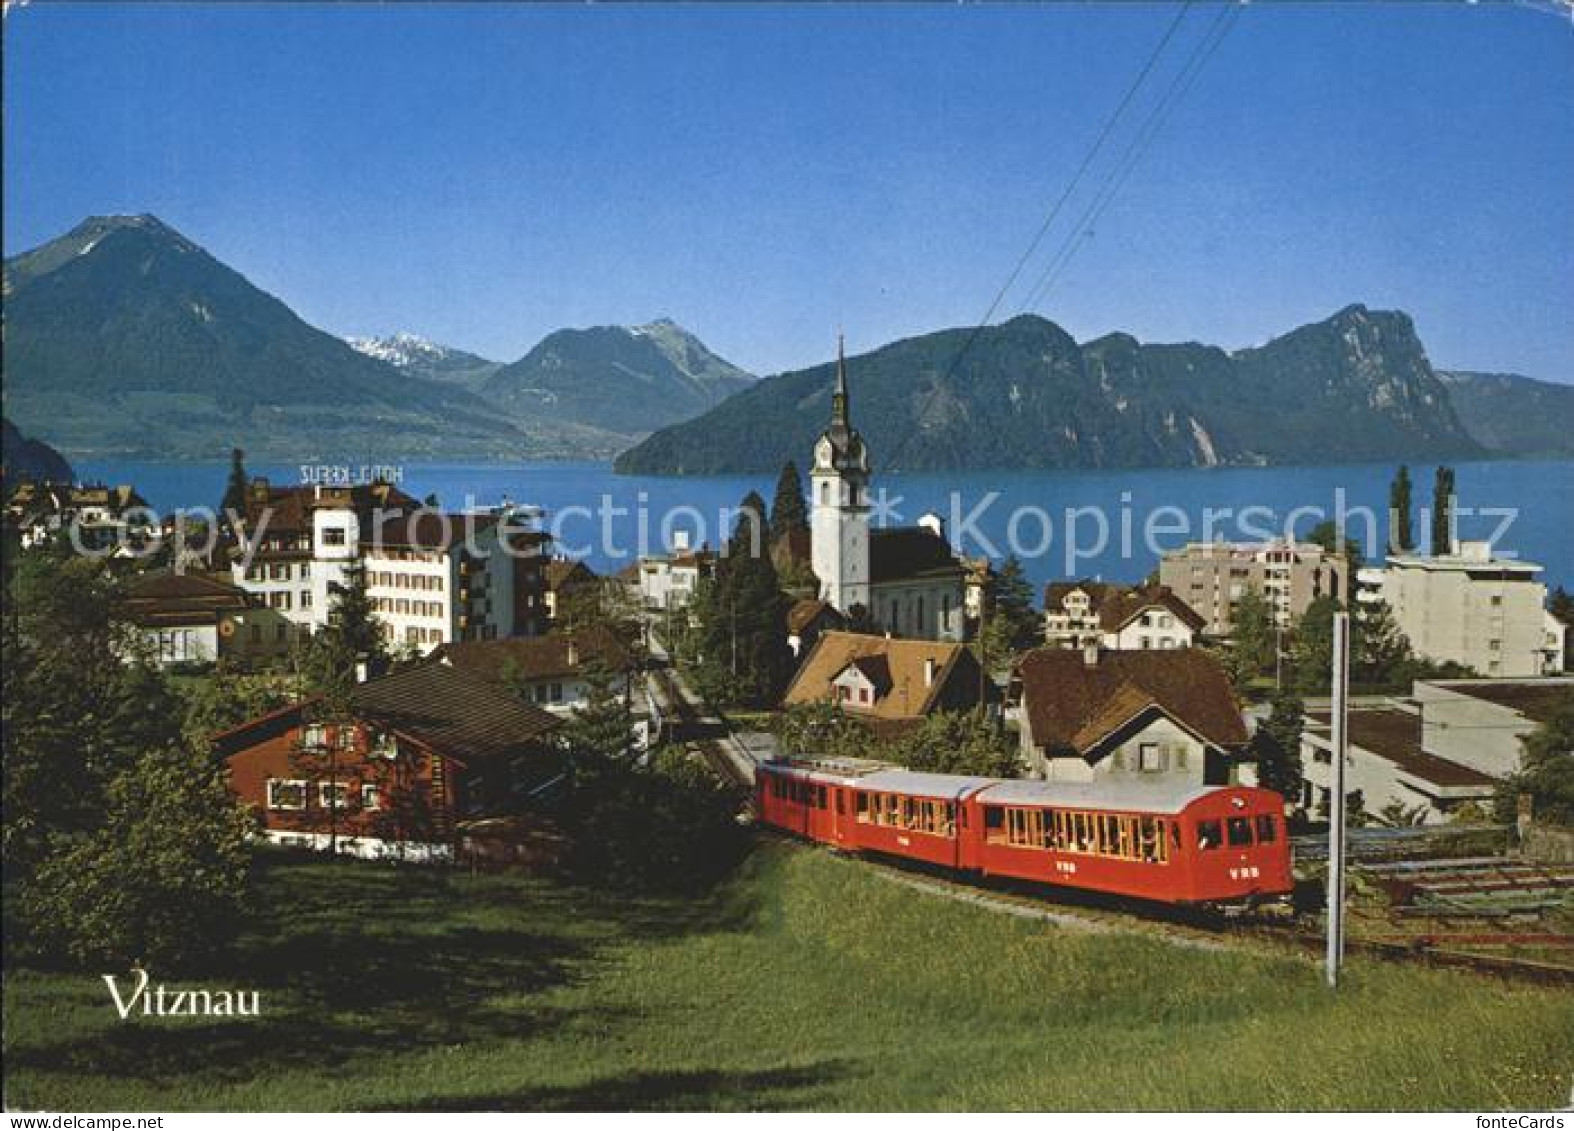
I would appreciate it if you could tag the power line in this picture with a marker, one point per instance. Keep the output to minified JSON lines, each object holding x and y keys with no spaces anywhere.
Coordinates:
{"x":1135,"y":150}
{"x":1054,"y":212}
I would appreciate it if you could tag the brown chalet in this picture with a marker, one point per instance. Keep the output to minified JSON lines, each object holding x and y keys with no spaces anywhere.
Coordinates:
{"x":1142,"y":718}
{"x":889,"y":684}
{"x":427,"y":747}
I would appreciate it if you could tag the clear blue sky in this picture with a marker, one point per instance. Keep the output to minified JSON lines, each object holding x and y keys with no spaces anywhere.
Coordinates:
{"x":766,"y":174}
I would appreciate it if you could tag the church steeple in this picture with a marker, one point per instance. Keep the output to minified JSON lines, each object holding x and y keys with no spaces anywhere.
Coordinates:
{"x":839,"y":397}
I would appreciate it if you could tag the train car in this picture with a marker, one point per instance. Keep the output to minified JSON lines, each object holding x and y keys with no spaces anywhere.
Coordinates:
{"x":1222,"y":845}
{"x":1195,"y":845}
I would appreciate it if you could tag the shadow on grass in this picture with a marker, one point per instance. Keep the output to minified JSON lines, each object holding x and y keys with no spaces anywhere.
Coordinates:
{"x":812,"y":1086}
{"x":352,"y":960}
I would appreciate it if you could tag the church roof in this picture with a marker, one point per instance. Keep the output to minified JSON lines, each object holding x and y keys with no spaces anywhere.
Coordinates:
{"x":903,"y":553}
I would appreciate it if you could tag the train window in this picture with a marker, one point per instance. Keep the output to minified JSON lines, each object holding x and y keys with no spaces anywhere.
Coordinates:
{"x":1266,"y":833}
{"x":994,"y":824}
{"x":1240,"y":831}
{"x":1210,"y":834}
{"x":819,"y":797}
{"x":841,"y":802}
{"x":863,"y":808}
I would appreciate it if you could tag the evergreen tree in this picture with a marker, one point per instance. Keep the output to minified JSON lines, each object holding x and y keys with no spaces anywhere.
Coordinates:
{"x":788,"y":511}
{"x":603,"y":727}
{"x":235,"y":488}
{"x":1277,"y":746}
{"x":1380,"y":653}
{"x":1443,"y":511}
{"x":1546,"y":771}
{"x":1009,"y":601}
{"x":744,"y":633}
{"x":1401,"y":536}
{"x":1326,"y":535}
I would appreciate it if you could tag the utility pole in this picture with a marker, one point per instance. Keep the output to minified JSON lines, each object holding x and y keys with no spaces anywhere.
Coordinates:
{"x":1339,"y":739}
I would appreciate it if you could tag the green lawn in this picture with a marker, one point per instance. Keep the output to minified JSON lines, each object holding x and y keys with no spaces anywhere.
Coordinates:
{"x":808,"y":982}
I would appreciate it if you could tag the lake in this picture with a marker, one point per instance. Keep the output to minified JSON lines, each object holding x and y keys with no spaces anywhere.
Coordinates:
{"x":1109,"y":524}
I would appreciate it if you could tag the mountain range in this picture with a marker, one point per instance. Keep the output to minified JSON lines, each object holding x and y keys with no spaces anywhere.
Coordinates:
{"x":125,"y":338}
{"x":1025,"y":394}
{"x":22,"y":457}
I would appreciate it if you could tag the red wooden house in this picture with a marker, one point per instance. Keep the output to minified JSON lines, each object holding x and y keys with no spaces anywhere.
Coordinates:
{"x":423,"y":750}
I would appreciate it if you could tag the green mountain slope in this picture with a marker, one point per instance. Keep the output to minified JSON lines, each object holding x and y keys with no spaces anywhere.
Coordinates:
{"x":1357,"y":386}
{"x":1513,"y":415}
{"x":25,"y":458}
{"x":124,"y":337}
{"x":627,"y":379}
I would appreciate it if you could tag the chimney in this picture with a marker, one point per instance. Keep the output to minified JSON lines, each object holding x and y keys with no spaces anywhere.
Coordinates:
{"x":680,"y":541}
{"x":929,"y":671}
{"x":1090,"y":654}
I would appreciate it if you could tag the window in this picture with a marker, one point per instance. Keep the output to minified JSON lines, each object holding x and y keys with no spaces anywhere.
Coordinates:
{"x":1240,"y":831}
{"x":1266,"y":833}
{"x":279,"y":571}
{"x":370,"y":797}
{"x":289,"y":795}
{"x":306,"y":570}
{"x":1150,"y":758}
{"x":315,"y":737}
{"x":332,"y":794}
{"x":333,"y":536}
{"x":1210,"y":834}
{"x":306,"y":598}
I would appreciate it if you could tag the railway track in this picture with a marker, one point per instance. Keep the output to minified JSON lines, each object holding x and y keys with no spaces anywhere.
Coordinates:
{"x":697,"y":731}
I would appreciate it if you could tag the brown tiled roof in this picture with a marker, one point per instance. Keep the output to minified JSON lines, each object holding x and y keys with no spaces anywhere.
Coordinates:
{"x":182,"y":598}
{"x":1535,"y":700}
{"x":536,"y":657}
{"x":1121,"y":606}
{"x":1076,"y":705}
{"x":1057,"y":591}
{"x":899,"y":664}
{"x":453,"y":713}
{"x":899,"y":553}
{"x":1396,"y":736}
{"x":290,"y":507}
{"x":803,"y":613}
{"x":429,"y":530}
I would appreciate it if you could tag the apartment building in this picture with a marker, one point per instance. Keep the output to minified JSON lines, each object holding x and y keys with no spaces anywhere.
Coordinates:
{"x":1211,"y":577}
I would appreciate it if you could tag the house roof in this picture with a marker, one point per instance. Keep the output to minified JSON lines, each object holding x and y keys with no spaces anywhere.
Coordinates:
{"x":1121,"y":606}
{"x":1072,"y":704}
{"x":164,"y":599}
{"x":1118,"y":605}
{"x":536,"y":657}
{"x":1395,"y":735}
{"x":429,"y":530}
{"x":1537,"y":700}
{"x":454,"y":713}
{"x":901,"y":553}
{"x":897,"y":664}
{"x":804,"y":613}
{"x":290,"y":508}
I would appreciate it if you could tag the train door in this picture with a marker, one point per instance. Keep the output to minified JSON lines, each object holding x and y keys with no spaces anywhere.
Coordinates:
{"x":841,"y":814}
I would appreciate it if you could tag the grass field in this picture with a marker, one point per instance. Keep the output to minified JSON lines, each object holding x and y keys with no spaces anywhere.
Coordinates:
{"x":807,"y":982}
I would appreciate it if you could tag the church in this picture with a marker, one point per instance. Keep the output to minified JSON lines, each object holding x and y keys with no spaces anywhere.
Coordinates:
{"x":905,"y":580}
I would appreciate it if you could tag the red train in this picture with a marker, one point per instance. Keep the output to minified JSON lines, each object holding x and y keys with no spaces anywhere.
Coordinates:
{"x":1215,"y":845}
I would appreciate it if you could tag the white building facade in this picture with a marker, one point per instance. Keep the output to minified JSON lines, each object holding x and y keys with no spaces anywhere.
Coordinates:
{"x":1472,"y":608}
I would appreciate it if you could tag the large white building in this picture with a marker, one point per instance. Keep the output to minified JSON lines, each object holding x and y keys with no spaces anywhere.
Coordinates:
{"x":432,"y":577}
{"x":1471,"y":607}
{"x":906,"y":580}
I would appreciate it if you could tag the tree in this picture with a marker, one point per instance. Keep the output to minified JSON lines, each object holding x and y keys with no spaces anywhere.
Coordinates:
{"x":1401,"y":536}
{"x":1254,"y":640}
{"x":1009,"y":602}
{"x":955,"y":742}
{"x":235,"y":488}
{"x":743,"y":636}
{"x":1326,"y":535}
{"x":788,"y":512}
{"x":604,"y":726}
{"x":1546,"y":770}
{"x":1443,"y":511}
{"x":162,"y":881}
{"x":1380,"y":653}
{"x":1277,"y":746}
{"x":1314,"y":646}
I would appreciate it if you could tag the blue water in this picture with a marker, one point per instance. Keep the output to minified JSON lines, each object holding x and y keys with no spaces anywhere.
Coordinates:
{"x":1527,"y":508}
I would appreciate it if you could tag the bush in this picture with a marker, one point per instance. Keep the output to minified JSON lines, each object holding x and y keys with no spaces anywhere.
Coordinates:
{"x":161,"y":883}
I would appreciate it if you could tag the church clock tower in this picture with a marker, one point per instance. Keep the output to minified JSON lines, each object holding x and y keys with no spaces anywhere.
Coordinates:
{"x":839,"y":512}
